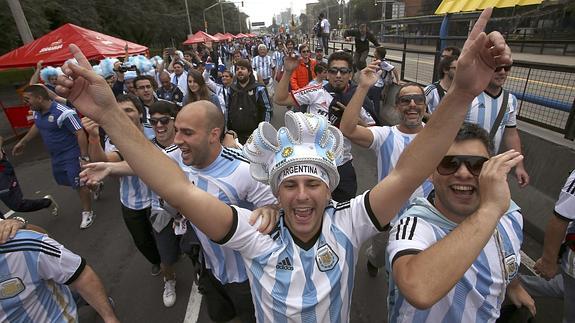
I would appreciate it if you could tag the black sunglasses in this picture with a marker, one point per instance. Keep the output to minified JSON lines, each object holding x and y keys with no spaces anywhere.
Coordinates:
{"x":406,"y":99}
{"x":162,"y":120}
{"x":450,"y":164}
{"x":507,"y":68}
{"x":342,"y":70}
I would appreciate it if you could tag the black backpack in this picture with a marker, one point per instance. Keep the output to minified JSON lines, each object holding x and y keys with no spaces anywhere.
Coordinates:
{"x":317,"y":29}
{"x":244,"y":114}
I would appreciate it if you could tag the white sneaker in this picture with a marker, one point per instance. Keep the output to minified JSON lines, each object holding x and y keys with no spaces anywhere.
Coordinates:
{"x":169,"y":293}
{"x":87,"y":219}
{"x":53,"y":205}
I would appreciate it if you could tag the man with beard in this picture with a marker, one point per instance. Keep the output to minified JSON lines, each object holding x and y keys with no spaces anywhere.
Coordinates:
{"x":436,"y":91}
{"x":388,"y":144}
{"x":329,"y":102}
{"x":249,"y":102}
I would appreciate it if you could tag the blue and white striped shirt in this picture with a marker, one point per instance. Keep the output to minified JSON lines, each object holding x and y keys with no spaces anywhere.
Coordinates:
{"x":278,"y":57}
{"x":263,"y":65}
{"x":484,"y":109}
{"x":134,"y":193}
{"x":228,"y":178}
{"x":388,"y":144}
{"x":478,"y":295}
{"x":565,"y":209}
{"x":291,"y":283}
{"x":34,"y":273}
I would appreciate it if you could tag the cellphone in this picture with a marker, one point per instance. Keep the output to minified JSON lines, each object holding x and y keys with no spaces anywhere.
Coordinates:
{"x":171,"y":51}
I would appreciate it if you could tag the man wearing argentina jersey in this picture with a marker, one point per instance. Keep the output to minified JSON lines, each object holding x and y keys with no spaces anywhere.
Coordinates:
{"x":135,"y":196}
{"x":484,"y":109}
{"x":264,"y":65}
{"x":561,"y":230}
{"x":455,"y":255}
{"x":35,"y":279}
{"x":63,"y":136}
{"x":305,"y":271}
{"x":434,"y":92}
{"x":388,"y":144}
{"x":224,"y":173}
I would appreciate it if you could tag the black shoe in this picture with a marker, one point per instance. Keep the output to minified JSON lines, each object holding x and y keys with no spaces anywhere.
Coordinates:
{"x":372,"y":270}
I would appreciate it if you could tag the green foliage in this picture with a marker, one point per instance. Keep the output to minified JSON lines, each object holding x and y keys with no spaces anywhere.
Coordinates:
{"x":152,"y":23}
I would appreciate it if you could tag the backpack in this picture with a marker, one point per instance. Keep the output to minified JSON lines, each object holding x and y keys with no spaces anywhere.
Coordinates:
{"x":244,"y":114}
{"x":317,"y":29}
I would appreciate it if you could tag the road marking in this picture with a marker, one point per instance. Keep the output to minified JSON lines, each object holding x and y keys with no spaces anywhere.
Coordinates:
{"x":9,"y":214}
{"x":528,"y":262}
{"x":194,"y":304}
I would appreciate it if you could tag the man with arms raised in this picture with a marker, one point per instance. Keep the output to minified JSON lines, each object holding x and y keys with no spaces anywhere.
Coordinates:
{"x":293,"y":271}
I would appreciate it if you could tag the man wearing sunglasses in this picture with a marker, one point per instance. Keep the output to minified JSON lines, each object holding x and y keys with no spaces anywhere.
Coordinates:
{"x":305,"y":71}
{"x":455,"y":255}
{"x":485,"y":109}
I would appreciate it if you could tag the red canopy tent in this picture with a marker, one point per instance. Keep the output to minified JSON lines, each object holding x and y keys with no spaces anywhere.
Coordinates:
{"x":230,"y":36}
{"x":222,"y":37}
{"x":200,"y":37}
{"x":240,"y":35}
{"x":52,"y":48}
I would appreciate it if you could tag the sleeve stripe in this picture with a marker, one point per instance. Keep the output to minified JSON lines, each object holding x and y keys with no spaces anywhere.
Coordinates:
{"x":372,"y":216}
{"x":571,"y":188}
{"x":561,"y":217}
{"x":404,"y":226}
{"x":233,"y":228}
{"x":77,"y":273}
{"x":404,"y":253}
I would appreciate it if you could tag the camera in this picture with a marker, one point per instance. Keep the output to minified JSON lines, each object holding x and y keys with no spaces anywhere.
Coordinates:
{"x":126,"y":67}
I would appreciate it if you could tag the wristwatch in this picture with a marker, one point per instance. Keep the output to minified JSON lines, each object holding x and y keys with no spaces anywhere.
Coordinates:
{"x":232,"y":133}
{"x":85,"y":158}
{"x":21,"y":219}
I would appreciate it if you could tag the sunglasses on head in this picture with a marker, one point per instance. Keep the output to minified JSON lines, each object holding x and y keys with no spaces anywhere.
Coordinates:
{"x":507,"y":68}
{"x":450,"y":164}
{"x":342,"y":70}
{"x":162,"y":120}
{"x":406,"y":99}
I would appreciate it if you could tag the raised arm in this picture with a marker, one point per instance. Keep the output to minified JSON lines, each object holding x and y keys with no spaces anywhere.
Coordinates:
{"x":36,"y":76}
{"x":93,"y":97}
{"x":481,"y":54}
{"x":282,"y":95}
{"x":349,"y":124}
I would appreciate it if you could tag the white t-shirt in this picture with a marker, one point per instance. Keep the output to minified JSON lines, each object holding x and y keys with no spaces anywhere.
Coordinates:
{"x":325,"y":26}
{"x":295,"y":283}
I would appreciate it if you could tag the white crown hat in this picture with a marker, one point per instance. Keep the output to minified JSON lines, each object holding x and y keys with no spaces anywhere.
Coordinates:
{"x":306,"y":139}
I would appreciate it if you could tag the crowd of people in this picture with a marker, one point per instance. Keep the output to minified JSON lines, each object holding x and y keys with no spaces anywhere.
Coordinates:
{"x":271,"y":217}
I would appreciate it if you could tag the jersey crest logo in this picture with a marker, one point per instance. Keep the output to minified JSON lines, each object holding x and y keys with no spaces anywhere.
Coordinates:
{"x":511,"y":266}
{"x":285,"y":264}
{"x":326,"y":258}
{"x":11,"y":287}
{"x":50,"y":118}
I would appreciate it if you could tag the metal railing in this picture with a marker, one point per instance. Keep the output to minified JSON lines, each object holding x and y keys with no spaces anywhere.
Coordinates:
{"x":545,"y":91}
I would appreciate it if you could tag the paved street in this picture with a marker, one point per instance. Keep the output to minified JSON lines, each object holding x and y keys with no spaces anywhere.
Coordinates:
{"x":107,"y":247}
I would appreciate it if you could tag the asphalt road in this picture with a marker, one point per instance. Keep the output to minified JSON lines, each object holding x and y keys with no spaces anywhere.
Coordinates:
{"x":108,"y":248}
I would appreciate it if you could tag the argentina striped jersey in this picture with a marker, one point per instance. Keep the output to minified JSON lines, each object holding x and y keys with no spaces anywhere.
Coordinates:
{"x":389,"y":143}
{"x":34,"y":272}
{"x":134,"y":193}
{"x":228,"y":178}
{"x":565,"y":209}
{"x":478,"y":295}
{"x":291,"y":283}
{"x":263,"y":66}
{"x":484,"y":109}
